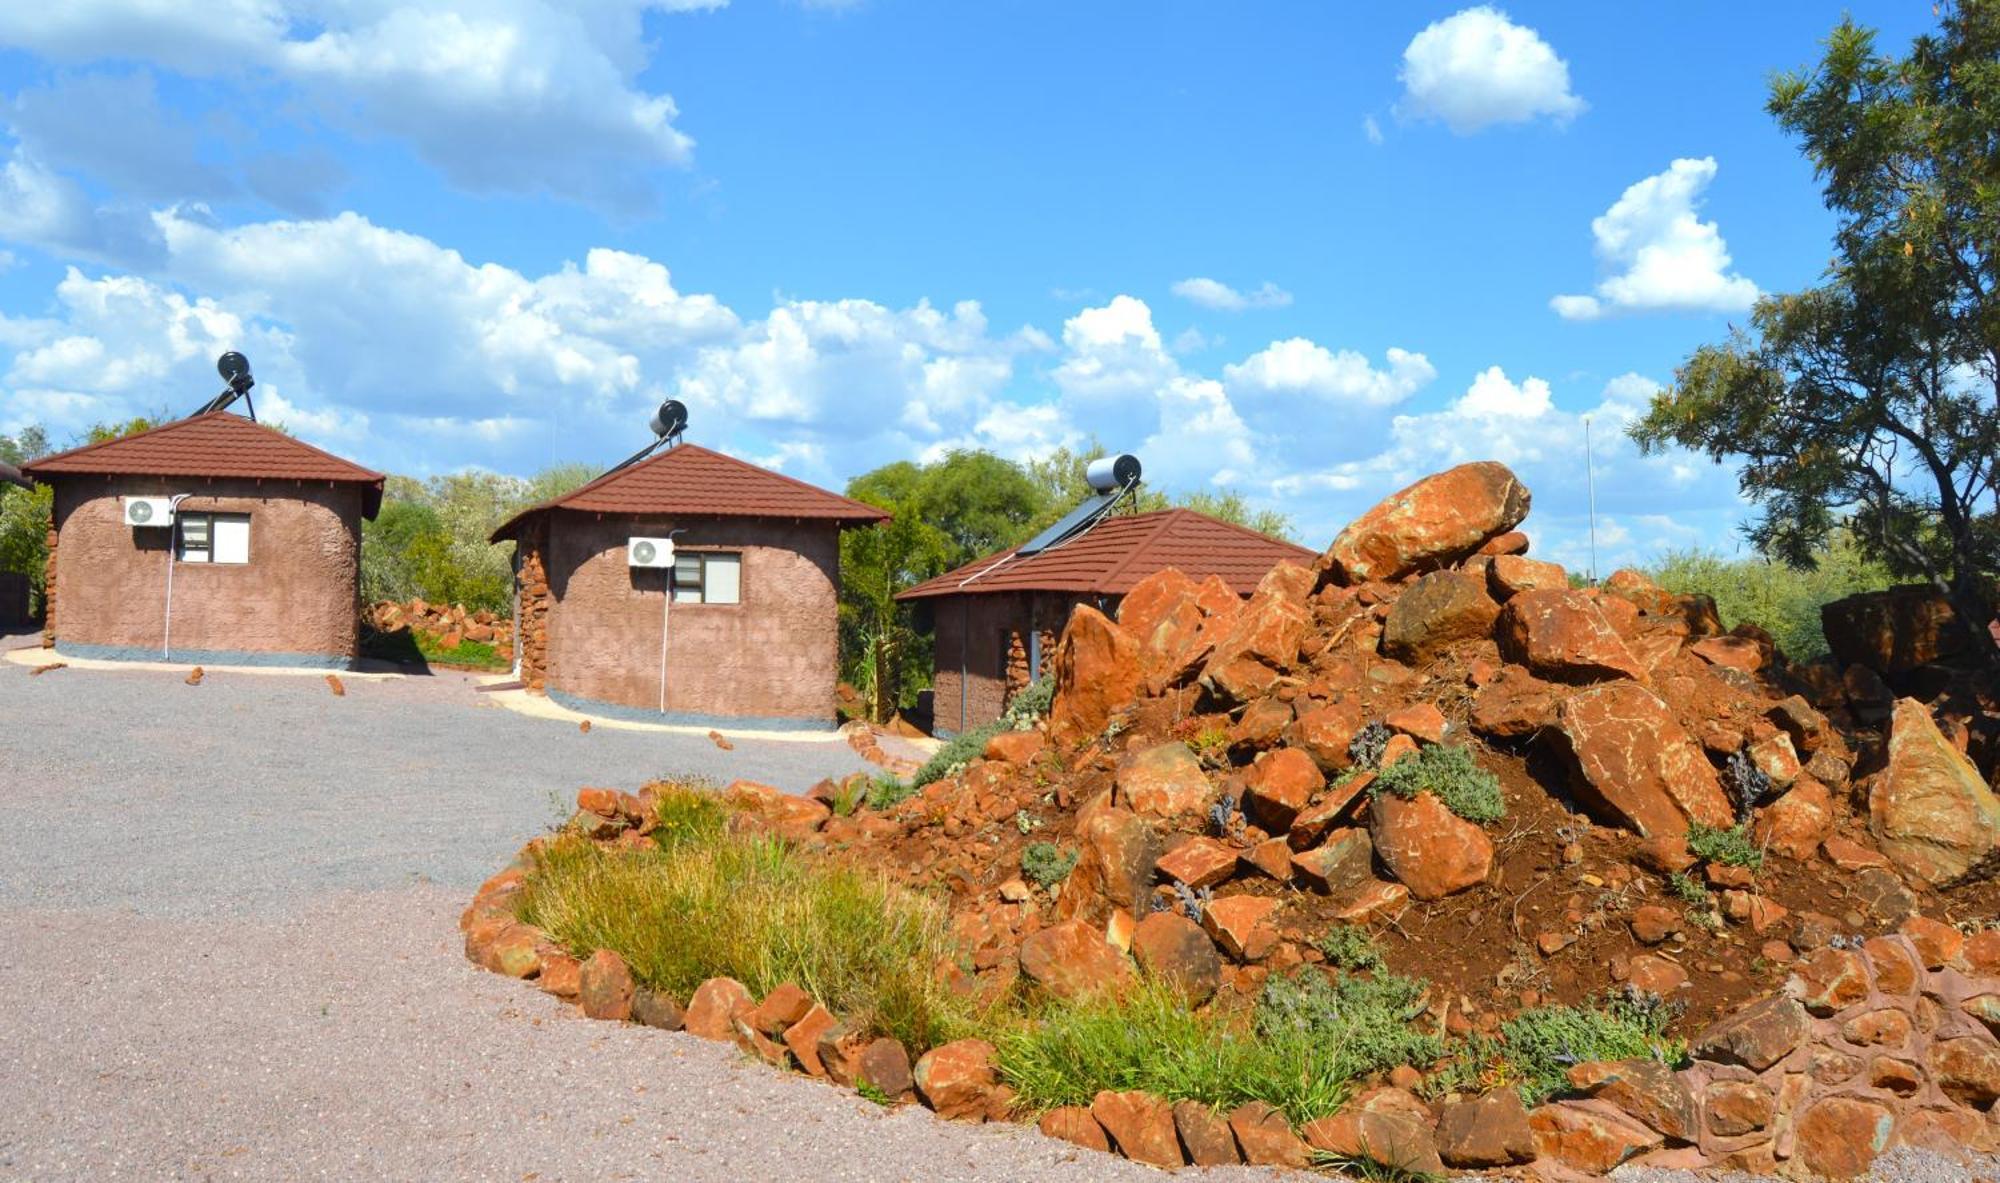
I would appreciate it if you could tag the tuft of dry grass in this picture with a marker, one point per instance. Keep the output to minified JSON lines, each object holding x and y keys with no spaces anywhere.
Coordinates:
{"x":714,"y":904}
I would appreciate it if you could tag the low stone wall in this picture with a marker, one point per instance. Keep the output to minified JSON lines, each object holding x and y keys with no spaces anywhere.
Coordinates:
{"x":1871,"y":1045}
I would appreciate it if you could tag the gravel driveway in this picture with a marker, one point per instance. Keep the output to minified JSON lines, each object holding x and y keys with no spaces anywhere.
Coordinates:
{"x":229,"y":950}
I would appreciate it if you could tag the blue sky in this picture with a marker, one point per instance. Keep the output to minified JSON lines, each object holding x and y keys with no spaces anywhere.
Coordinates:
{"x":1305,"y":251}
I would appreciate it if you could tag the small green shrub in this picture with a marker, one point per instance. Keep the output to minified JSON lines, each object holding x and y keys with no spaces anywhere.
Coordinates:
{"x":687,"y":812}
{"x":1046,"y":863}
{"x":1543,"y":1043}
{"x":1362,"y":1023}
{"x":1030,"y":705}
{"x":1688,"y":890}
{"x":1350,"y":947}
{"x":1068,"y":1052}
{"x":885,"y":791}
{"x":1731,"y":847}
{"x":1450,"y":772}
{"x":957,"y":752}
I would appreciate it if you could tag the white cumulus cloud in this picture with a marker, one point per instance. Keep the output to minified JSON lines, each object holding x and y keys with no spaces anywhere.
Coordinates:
{"x":1212,"y":293}
{"x":1660,"y":255}
{"x":1298,"y":366}
{"x":1477,"y":68}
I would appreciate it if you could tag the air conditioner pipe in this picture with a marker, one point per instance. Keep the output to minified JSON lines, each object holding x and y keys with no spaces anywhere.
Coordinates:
{"x":173,"y":538}
{"x":666,"y":606}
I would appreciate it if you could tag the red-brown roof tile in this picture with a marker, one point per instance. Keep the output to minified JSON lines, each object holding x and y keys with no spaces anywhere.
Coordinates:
{"x":690,"y":480}
{"x":218,"y":444}
{"x":1114,"y":555}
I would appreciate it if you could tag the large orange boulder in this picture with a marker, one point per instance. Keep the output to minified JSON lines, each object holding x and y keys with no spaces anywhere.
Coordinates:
{"x":957,"y":1079}
{"x":1262,"y":643}
{"x":1173,"y":949}
{"x":1635,"y":764}
{"x":1440,"y":610}
{"x":1114,"y":868}
{"x":1073,"y":960}
{"x":1141,"y":1126}
{"x":1929,"y":810}
{"x":1096,"y":671}
{"x":1564,"y":636}
{"x":1430,"y":524}
{"x":1428,"y":848}
{"x":1163,"y":614}
{"x":1164,"y":781}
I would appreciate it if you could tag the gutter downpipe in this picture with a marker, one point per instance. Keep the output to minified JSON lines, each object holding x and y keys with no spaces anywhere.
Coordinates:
{"x":173,"y":540}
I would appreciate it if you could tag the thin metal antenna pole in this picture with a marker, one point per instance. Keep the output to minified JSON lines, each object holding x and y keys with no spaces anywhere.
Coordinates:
{"x":1590,"y":476}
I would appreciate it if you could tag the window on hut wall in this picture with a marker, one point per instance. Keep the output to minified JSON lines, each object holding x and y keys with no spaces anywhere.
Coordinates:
{"x":213,"y":538}
{"x":703,"y":577}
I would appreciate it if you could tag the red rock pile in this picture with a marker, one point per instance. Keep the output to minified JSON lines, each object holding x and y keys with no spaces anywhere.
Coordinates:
{"x":449,"y":625}
{"x":1212,"y":765}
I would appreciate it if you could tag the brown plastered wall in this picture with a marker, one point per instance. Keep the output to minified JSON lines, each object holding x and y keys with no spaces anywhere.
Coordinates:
{"x":982,"y":632}
{"x":774,"y":655}
{"x":299,"y":593}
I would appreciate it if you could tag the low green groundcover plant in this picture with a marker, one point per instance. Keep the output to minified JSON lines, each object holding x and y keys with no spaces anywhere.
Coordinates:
{"x":714,"y":904}
{"x":1046,"y":863}
{"x":1350,"y":947}
{"x":1732,"y":847}
{"x":1543,"y":1043}
{"x":1028,"y":706}
{"x":1449,"y":772}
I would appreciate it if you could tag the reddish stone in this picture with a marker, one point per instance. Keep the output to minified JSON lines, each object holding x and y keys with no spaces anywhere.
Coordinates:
{"x":1896,"y":972}
{"x":1795,"y":823}
{"x":1141,"y":1126}
{"x":1756,"y":1036}
{"x":1343,"y":862}
{"x":1738,"y":1107}
{"x":1968,"y":1070}
{"x":1656,"y":975}
{"x":1773,"y":756}
{"x":1892,"y":631}
{"x":1644,"y":1090}
{"x":803,"y":1038}
{"x":1830,"y":980}
{"x":1395,"y":1140}
{"x":1839,"y":1137}
{"x":1896,"y":1076}
{"x":1241,"y":924}
{"x":1563,"y":636}
{"x":1426,"y":846}
{"x":515,"y":950}
{"x":1981,"y":954}
{"x":1074,"y":1124}
{"x":1014,"y":747}
{"x":1513,"y":542}
{"x":1262,"y":640}
{"x":1153,"y":600}
{"x":1266,"y":1138}
{"x":1261,"y":725}
{"x":1510,"y":575}
{"x":1514,"y":704}
{"x":1174,"y":949}
{"x":785,"y":1005}
{"x":1438,"y":611}
{"x":1635,"y":588}
{"x":1985,"y":1008}
{"x":1438,"y":519}
{"x":1325,"y":734}
{"x":1936,"y":943}
{"x":1421,"y":721}
{"x":1635,"y":763}
{"x":714,"y":1004}
{"x":1396,"y":749}
{"x":1588,"y":1136}
{"x":957,"y":1079}
{"x":1652,"y":924}
{"x":562,"y":975}
{"x":1096,"y":673}
{"x":1279,"y":786}
{"x":1072,"y":960}
{"x":1849,"y":855}
{"x":1489,"y":1132}
{"x":1164,"y":781}
{"x":885,"y":1065}
{"x":605,"y":987}
{"x":1114,"y":869}
{"x":1745,"y":907}
{"x":1198,"y":862}
{"x":1374,"y":897}
{"x":1736,"y":653}
{"x":1930,"y":811}
{"x":1205,"y":1135}
{"x":1884,"y":1028}
{"x":1272,"y":858}
{"x":602,"y":802}
{"x":1339,"y":804}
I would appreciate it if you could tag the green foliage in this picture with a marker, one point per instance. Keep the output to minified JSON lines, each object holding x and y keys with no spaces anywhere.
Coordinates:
{"x":1031,"y":705}
{"x":1781,"y":599}
{"x":1449,"y":771}
{"x":885,"y":791}
{"x":1732,"y":847}
{"x":1688,"y":890}
{"x":1361,"y":1024}
{"x":1069,"y":1051}
{"x":956,"y":753}
{"x":685,"y":813}
{"x":720,"y":905}
{"x":26,"y":514}
{"x":477,"y":654}
{"x":1351,"y":947}
{"x":1541,"y":1044}
{"x":1046,"y":863}
{"x":430,"y":538}
{"x":1869,"y":401}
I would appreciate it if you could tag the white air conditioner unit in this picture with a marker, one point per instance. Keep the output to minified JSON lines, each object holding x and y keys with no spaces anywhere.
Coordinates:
{"x":649,"y":552}
{"x":149,"y":511}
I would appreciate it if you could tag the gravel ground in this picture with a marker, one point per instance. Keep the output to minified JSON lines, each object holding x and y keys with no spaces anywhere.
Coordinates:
{"x":228,"y":916}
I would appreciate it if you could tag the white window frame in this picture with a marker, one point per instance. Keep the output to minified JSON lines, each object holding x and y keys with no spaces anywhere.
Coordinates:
{"x":211,"y":528}
{"x":697,"y":589}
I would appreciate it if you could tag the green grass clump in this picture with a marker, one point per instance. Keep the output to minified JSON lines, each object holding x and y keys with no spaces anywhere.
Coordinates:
{"x":715,"y":904}
{"x":1688,"y":890}
{"x":1350,"y":947}
{"x":686,"y":815}
{"x":1449,"y":772}
{"x":1046,"y":863}
{"x":885,"y":791}
{"x":1541,"y":1044}
{"x":1362,"y":1024}
{"x":1732,"y":847}
{"x":1068,"y":1052}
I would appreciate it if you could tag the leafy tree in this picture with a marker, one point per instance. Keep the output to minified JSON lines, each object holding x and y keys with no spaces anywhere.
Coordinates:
{"x":1060,"y":476}
{"x":1870,"y":400}
{"x":1777,"y":597}
{"x":25,"y":514}
{"x":430,"y":539}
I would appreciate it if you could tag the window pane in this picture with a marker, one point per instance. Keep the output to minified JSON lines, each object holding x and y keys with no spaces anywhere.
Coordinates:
{"x":724,"y":578}
{"x":687,"y":579}
{"x":232,"y":538}
{"x":193,"y":529}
